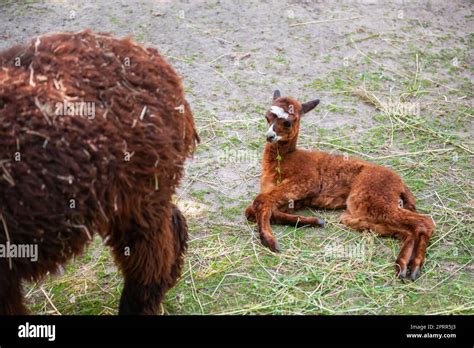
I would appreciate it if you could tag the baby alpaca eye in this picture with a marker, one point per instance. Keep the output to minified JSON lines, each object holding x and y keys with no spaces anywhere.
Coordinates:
{"x":287,"y":124}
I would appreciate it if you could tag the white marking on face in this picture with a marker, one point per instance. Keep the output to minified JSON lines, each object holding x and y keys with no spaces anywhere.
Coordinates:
{"x":272,"y":134}
{"x":279,"y":112}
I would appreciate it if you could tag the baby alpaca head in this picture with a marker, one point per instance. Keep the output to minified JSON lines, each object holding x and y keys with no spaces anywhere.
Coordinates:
{"x":283,"y":117}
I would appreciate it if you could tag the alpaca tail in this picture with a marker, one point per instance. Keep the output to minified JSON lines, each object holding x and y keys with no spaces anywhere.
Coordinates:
{"x":408,"y":199}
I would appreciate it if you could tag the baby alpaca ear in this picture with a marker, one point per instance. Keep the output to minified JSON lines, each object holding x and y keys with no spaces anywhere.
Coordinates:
{"x":276,"y":94}
{"x":307,"y":107}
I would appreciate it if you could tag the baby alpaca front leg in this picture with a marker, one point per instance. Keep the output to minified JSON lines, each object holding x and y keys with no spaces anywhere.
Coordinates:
{"x":262,"y":206}
{"x":265,"y":209}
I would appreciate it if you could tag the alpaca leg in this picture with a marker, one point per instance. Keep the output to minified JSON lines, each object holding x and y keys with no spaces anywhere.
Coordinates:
{"x":361,"y":223}
{"x":411,"y":226}
{"x":425,"y":230}
{"x":263,"y":206}
{"x":404,"y":256}
{"x":418,"y":257}
{"x":266,"y":203}
{"x":148,"y":263}
{"x":11,"y":296}
{"x":154,"y":267}
{"x":180,"y":229}
{"x":386,"y":230}
{"x":421,"y":228}
{"x":140,"y":299}
{"x":282,"y":218}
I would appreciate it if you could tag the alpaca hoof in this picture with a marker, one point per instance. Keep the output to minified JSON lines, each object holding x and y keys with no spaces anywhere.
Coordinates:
{"x":250,"y":214}
{"x":250,"y":218}
{"x":403,"y":273}
{"x":415,"y":273}
{"x":271,"y":244}
{"x":321,"y":223}
{"x":276,"y":247}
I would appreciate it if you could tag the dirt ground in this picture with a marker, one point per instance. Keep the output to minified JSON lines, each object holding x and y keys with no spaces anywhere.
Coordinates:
{"x":231,"y":56}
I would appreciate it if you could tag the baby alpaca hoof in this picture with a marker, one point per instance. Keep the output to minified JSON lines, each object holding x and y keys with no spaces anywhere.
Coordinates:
{"x":401,"y":270}
{"x":415,"y":273}
{"x":249,"y":214}
{"x":403,"y":273}
{"x":314,"y":222}
{"x":271,"y":244}
{"x":276,"y":247}
{"x":251,"y":218}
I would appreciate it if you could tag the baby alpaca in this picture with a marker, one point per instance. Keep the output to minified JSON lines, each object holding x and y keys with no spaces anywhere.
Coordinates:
{"x":373,"y":197}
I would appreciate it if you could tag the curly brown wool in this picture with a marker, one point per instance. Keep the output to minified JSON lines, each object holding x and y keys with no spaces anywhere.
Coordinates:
{"x":65,"y":176}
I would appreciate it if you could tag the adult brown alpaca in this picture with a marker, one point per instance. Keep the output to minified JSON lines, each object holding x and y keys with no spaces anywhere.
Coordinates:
{"x":65,"y":176}
{"x":374,"y":197}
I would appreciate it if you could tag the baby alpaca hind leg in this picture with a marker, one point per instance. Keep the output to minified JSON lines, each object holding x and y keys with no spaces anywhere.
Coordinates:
{"x":420,"y":229}
{"x":403,"y":223}
{"x":384,"y":229}
{"x":424,"y":230}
